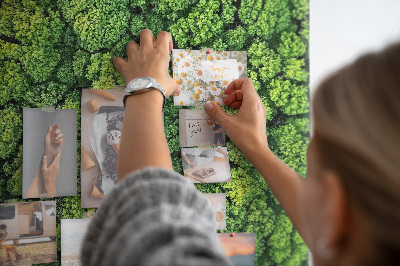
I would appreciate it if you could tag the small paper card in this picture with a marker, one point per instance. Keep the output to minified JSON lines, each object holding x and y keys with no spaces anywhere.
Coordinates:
{"x":206,"y":165}
{"x":218,"y":201}
{"x":28,"y":233}
{"x":239,"y":247}
{"x":198,"y":128}
{"x":204,"y":76}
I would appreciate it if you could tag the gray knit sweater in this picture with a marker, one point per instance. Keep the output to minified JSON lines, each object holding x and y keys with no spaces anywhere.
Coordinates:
{"x":153,"y":217}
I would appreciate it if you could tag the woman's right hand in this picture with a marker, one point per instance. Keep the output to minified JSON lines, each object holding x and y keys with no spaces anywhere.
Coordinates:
{"x":247,"y":128}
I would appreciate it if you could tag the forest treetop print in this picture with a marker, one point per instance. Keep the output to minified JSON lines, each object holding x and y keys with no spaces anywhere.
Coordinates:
{"x":51,"y":50}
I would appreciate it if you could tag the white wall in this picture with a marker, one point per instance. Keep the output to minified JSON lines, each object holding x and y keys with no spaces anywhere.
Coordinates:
{"x":341,"y":30}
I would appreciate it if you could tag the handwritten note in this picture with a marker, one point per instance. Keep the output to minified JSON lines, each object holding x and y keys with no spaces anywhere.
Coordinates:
{"x":219,"y":70}
{"x":194,"y":128}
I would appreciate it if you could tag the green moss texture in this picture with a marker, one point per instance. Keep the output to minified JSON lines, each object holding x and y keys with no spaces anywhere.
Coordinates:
{"x":50,"y":50}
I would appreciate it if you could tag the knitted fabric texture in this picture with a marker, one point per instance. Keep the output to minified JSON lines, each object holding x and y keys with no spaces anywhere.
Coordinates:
{"x":153,"y":217}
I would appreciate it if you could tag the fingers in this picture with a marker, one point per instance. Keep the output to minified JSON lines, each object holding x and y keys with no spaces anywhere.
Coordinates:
{"x":131,"y":48}
{"x":147,"y":40}
{"x":218,"y":113}
{"x":164,"y":41}
{"x":59,"y":137}
{"x":178,"y":91}
{"x":56,"y":126}
{"x":60,"y":142}
{"x":119,"y":63}
{"x":245,"y":85}
{"x":235,"y":99}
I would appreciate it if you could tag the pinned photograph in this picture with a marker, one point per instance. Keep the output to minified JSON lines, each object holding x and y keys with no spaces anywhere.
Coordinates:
{"x":198,"y":128}
{"x":72,"y":233}
{"x":49,"y":153}
{"x":28,"y":233}
{"x":102,"y":114}
{"x":206,"y":165}
{"x":218,"y":201}
{"x":204,"y":74}
{"x":239,"y":247}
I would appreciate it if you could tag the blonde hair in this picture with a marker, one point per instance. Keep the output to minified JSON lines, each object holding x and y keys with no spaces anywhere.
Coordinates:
{"x":356,"y":114}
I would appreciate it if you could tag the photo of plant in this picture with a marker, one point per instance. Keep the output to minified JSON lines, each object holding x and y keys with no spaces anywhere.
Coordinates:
{"x":28,"y":233}
{"x":72,"y":234}
{"x":198,"y":128}
{"x":206,"y":165}
{"x":51,"y":50}
{"x":49,"y":154}
{"x":239,"y":247}
{"x":102,"y":114}
{"x":204,"y":74}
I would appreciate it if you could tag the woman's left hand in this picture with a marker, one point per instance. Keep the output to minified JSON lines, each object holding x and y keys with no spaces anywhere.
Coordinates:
{"x":150,"y":59}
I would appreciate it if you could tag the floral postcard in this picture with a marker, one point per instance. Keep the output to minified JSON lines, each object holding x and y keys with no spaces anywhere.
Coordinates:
{"x":204,"y":74}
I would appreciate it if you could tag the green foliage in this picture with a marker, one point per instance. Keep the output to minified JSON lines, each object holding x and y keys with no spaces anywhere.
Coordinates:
{"x":289,"y":142}
{"x":50,"y":50}
{"x":10,"y":130}
{"x":236,"y":38}
{"x":292,"y":46}
{"x":102,"y":73}
{"x":290,"y":98}
{"x":14,"y":83}
{"x":200,"y":26}
{"x":265,"y":18}
{"x":98,"y":24}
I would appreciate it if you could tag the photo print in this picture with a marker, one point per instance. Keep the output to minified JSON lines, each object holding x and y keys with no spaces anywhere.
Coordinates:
{"x":206,"y":165}
{"x":218,"y":201}
{"x":239,"y":247}
{"x":49,"y":153}
{"x":198,"y":128}
{"x":72,"y":233}
{"x":28,"y":233}
{"x":102,"y":114}
{"x":204,"y":74}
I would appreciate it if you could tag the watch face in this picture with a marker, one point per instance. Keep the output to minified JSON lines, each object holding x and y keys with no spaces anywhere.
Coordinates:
{"x":141,"y":83}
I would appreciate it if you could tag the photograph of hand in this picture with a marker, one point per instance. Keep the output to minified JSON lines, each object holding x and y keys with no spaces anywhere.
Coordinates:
{"x":44,"y":182}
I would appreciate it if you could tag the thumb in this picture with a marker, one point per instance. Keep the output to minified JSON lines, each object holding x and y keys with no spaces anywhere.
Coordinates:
{"x":218,"y":113}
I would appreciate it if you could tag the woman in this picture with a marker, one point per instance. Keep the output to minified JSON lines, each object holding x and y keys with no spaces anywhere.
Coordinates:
{"x":217,"y":129}
{"x":9,"y":250}
{"x":346,"y":210}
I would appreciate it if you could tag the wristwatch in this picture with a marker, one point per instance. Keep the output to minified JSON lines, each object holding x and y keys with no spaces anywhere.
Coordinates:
{"x":142,"y":85}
